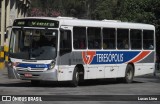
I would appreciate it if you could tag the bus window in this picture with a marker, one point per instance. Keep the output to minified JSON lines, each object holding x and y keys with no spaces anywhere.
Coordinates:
{"x":148,"y":39}
{"x":94,"y":38}
{"x":109,"y":38}
{"x":17,"y":47}
{"x":136,"y":39}
{"x":79,"y":37}
{"x":122,"y":39}
{"x":65,"y":42}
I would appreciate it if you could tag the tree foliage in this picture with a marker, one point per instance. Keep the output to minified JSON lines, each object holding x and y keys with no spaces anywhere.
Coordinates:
{"x":145,"y":11}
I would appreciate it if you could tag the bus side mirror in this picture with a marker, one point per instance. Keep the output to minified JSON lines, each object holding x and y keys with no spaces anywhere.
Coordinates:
{"x":6,"y":34}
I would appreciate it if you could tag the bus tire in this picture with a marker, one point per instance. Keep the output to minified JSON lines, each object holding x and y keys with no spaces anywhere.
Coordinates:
{"x":75,"y":78}
{"x":35,"y":82}
{"x":129,"y":74}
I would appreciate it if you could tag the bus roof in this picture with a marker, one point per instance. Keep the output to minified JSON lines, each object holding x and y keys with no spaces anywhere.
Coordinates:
{"x":71,"y":21}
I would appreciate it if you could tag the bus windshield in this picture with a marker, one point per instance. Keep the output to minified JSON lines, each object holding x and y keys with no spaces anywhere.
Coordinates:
{"x":33,"y":44}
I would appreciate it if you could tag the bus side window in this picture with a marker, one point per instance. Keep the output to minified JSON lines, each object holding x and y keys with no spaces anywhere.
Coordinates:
{"x":94,"y":38}
{"x":79,"y":38}
{"x":148,"y":39}
{"x":109,"y":36}
{"x":123,"y":38}
{"x":136,"y":39}
{"x":65,"y":42}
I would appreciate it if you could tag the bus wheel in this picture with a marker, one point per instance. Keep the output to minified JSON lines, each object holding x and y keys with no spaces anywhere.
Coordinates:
{"x":129,"y":74}
{"x":35,"y":82}
{"x":75,"y":79}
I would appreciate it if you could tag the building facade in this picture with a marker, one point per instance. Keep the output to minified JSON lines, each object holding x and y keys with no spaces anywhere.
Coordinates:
{"x":10,"y":10}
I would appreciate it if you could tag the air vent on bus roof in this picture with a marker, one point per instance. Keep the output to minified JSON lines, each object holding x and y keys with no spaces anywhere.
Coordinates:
{"x":66,"y":17}
{"x":111,"y":20}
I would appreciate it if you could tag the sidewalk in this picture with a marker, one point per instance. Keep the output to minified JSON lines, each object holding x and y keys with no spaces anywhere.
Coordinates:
{"x":3,"y":73}
{"x":4,"y":77}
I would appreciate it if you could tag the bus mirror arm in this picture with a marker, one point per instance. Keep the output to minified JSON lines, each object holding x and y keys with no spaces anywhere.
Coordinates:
{"x":9,"y":27}
{"x":6,"y":33}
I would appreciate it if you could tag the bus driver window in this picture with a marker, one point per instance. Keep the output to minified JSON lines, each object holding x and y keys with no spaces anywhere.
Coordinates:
{"x":65,"y":42}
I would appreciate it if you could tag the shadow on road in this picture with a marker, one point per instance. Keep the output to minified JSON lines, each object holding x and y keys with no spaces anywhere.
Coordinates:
{"x":64,"y":84}
{"x":104,"y":82}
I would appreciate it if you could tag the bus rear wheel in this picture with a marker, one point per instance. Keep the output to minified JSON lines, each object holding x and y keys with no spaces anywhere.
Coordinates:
{"x":129,"y":74}
{"x":75,"y":78}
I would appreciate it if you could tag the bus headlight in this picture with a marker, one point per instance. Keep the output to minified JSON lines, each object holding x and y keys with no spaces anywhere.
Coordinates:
{"x":52,"y":65}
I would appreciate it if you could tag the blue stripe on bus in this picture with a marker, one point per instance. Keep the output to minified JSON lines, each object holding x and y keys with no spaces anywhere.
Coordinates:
{"x":113,"y":57}
{"x":26,"y":65}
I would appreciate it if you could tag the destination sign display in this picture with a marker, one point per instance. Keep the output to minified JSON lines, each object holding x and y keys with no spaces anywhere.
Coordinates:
{"x":36,"y":23}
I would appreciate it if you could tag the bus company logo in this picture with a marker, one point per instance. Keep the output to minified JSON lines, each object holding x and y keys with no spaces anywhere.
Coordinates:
{"x":88,"y":56}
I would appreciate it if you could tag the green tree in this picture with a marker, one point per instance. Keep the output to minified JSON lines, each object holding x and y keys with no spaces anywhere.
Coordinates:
{"x":135,"y":11}
{"x":104,"y":9}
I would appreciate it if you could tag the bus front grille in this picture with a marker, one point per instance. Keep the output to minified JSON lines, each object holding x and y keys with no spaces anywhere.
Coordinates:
{"x":31,"y":69}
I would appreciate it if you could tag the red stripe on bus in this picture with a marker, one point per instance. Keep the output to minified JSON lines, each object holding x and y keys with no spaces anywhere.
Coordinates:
{"x":141,"y":56}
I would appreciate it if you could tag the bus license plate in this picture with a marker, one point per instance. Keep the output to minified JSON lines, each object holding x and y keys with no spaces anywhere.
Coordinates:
{"x":28,"y":75}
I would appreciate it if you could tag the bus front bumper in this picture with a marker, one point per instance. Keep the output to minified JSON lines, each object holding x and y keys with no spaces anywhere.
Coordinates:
{"x":49,"y":75}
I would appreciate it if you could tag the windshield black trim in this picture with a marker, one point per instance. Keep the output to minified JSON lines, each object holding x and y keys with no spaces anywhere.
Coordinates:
{"x":27,"y":55}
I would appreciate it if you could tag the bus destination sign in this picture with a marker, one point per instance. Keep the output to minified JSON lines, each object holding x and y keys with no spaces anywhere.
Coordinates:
{"x":36,"y":23}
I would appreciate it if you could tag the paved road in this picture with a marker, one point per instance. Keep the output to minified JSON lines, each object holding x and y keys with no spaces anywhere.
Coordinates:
{"x":144,"y":85}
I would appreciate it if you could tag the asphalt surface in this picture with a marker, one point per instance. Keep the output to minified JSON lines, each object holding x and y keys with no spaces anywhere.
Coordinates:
{"x":90,"y":92}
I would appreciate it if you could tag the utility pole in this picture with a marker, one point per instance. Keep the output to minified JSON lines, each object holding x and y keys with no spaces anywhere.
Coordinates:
{"x":3,"y":4}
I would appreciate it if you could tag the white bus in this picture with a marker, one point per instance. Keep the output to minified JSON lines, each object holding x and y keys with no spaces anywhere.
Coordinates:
{"x":74,"y":50}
